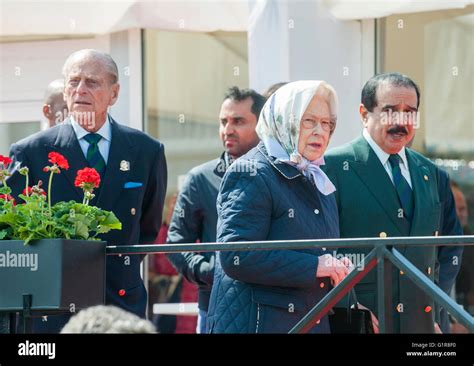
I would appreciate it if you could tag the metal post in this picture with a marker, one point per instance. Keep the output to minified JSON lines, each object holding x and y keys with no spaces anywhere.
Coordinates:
{"x":4,"y":323}
{"x":381,"y":291}
{"x":384,"y":292}
{"x":27,"y":301}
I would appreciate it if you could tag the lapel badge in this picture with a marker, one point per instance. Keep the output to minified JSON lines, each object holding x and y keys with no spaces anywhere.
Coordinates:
{"x":425,"y":177}
{"x":124,"y":166}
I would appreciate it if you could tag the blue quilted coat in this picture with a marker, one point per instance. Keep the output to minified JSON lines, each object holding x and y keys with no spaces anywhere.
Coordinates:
{"x":268,"y":291}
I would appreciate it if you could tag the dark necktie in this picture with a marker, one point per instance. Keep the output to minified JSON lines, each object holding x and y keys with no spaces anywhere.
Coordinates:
{"x":404,"y":191}
{"x":94,"y":158}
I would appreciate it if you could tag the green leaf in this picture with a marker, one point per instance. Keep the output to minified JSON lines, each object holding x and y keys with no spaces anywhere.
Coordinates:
{"x":5,"y":190}
{"x":111,"y":221}
{"x":82,"y":230}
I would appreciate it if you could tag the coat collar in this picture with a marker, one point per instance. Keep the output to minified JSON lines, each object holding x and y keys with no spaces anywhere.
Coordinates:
{"x":286,"y":170}
{"x":223,"y":164}
{"x":105,"y":131}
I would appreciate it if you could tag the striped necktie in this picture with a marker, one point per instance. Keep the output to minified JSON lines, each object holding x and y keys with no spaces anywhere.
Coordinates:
{"x":404,"y":191}
{"x":94,"y":158}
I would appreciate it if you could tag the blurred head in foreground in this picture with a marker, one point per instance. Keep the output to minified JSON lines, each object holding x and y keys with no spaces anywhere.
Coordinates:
{"x":107,"y":319}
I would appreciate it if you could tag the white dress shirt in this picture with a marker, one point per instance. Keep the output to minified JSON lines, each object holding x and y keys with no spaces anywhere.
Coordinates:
{"x":104,"y":144}
{"x":383,"y":157}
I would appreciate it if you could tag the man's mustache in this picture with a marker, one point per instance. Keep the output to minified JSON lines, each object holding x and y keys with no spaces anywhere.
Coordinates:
{"x":398,"y":129}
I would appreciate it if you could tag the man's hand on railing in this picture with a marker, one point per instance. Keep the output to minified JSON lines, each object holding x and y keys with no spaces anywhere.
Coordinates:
{"x":329,"y":266}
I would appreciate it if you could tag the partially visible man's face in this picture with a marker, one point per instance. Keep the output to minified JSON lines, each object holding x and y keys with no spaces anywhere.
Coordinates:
{"x":56,"y":111}
{"x":392,"y":122}
{"x":88,"y":90}
{"x":237,"y":126}
{"x":461,"y":206}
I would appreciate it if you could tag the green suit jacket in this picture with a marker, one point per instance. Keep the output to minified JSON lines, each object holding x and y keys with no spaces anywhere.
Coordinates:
{"x":368,"y":206}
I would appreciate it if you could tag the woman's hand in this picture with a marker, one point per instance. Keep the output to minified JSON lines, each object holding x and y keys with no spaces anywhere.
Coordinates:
{"x":329,"y":266}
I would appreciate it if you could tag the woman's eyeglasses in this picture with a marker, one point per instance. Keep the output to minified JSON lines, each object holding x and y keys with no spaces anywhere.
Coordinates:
{"x":310,"y":123}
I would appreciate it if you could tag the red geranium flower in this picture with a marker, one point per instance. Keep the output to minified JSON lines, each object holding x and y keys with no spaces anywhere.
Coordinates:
{"x":5,"y":160}
{"x":58,"y":159}
{"x":87,"y":178}
{"x":31,"y":191}
{"x":7,"y":197}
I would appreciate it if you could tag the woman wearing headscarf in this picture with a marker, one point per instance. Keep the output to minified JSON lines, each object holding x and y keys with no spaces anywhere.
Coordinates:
{"x":277,"y":191}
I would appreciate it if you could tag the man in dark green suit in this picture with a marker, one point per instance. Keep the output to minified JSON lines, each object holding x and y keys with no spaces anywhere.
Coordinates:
{"x":385,"y":189}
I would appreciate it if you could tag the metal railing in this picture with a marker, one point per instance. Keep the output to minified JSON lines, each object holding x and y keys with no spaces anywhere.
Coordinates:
{"x":383,"y":255}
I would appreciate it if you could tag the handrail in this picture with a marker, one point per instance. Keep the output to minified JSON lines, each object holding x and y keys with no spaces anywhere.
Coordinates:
{"x":383,"y":255}
{"x":291,"y":244}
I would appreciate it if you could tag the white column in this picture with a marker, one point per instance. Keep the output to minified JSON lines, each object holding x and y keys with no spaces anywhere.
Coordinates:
{"x":126,"y":50}
{"x":268,"y":46}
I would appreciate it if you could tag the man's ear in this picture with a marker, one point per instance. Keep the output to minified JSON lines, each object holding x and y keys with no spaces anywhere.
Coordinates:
{"x":46,"y":110}
{"x":115,"y":93}
{"x":363,"y":114}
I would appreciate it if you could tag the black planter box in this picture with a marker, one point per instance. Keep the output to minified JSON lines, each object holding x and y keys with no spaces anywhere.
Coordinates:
{"x":58,"y":274}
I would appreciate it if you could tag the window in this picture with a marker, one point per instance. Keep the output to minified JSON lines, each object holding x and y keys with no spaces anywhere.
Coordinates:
{"x":186,"y":76}
{"x":12,"y":132}
{"x":436,"y":50}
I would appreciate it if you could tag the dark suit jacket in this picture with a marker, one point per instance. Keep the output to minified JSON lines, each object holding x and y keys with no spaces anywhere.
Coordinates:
{"x":139,"y":209}
{"x":368,"y":206}
{"x":195,"y":218}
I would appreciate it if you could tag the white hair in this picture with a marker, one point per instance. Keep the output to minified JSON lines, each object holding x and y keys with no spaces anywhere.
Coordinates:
{"x":107,"y":319}
{"x":102,"y":57}
{"x":329,"y":95}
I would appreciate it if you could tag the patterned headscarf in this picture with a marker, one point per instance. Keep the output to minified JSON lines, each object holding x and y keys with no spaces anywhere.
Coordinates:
{"x":279,"y":127}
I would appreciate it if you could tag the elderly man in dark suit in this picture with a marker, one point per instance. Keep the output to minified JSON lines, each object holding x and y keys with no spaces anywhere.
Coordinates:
{"x":386,"y":189}
{"x":132,"y":166}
